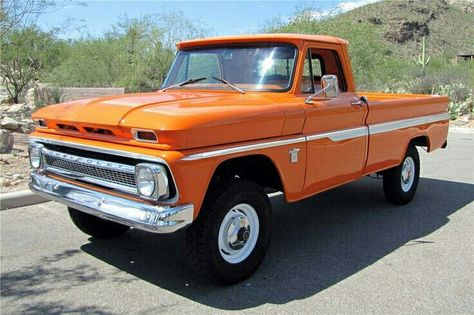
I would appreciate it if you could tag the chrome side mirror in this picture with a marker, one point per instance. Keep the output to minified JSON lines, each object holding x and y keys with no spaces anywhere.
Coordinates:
{"x":329,"y":81}
{"x":329,"y":88}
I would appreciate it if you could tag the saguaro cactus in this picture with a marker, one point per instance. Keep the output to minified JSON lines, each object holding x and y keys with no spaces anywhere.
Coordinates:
{"x":423,"y":60}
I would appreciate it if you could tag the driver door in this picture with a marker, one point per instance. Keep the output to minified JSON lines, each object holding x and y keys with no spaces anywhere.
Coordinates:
{"x":335,"y":127}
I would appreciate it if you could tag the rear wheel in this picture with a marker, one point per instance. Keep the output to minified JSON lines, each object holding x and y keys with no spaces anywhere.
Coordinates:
{"x":229,"y":239}
{"x":400,"y":183}
{"x":95,"y":226}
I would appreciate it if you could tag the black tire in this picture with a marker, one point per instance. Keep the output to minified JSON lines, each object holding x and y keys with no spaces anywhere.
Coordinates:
{"x":202,"y":236}
{"x":95,"y":226}
{"x":396,"y":190}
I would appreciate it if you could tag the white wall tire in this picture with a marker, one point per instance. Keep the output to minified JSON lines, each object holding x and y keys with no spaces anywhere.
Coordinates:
{"x":407,"y":174}
{"x":400,"y":183}
{"x":229,"y":239}
{"x":238,"y":233}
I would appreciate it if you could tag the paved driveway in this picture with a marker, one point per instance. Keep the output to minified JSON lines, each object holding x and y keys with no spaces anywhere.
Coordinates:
{"x":344,"y":251}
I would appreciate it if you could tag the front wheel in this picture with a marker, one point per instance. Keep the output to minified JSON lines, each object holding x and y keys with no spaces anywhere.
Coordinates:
{"x":400,"y":182}
{"x":95,"y":226}
{"x":229,"y":239}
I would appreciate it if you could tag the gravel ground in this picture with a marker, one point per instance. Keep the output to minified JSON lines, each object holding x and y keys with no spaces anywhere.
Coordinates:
{"x":15,"y":167}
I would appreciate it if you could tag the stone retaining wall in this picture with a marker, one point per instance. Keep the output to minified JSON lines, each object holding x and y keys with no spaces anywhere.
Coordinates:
{"x":45,"y":94}
{"x":72,"y":94}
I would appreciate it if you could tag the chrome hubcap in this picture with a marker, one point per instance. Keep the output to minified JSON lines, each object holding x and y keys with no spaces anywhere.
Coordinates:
{"x":238,"y":233}
{"x":408,"y":174}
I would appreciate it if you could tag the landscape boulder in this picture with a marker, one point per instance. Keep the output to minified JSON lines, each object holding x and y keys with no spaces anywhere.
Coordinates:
{"x":6,"y":141}
{"x":26,"y":125}
{"x":17,"y":108}
{"x":9,"y":123}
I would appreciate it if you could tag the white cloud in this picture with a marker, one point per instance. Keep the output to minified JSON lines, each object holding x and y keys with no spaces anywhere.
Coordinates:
{"x":342,"y":7}
{"x":320,"y":14}
{"x":351,"y":5}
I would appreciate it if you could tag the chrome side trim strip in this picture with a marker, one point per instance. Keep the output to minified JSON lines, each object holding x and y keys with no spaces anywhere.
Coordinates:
{"x":341,"y":134}
{"x":244,"y":148}
{"x":406,"y":123}
{"x":335,"y":136}
{"x":138,"y":214}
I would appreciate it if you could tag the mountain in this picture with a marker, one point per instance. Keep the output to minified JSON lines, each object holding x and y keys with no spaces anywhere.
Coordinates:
{"x":385,"y":42}
{"x":448,"y":25}
{"x":395,"y":26}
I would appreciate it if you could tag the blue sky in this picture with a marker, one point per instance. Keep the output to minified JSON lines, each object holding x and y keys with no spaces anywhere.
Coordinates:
{"x":221,"y":17}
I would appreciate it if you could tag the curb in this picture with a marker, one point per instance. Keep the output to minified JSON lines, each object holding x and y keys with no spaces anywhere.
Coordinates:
{"x":19,"y":199}
{"x":460,"y":130}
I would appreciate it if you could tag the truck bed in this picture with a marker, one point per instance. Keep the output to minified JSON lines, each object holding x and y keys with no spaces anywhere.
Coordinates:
{"x":395,"y":118}
{"x":377,"y":96}
{"x":384,"y":107}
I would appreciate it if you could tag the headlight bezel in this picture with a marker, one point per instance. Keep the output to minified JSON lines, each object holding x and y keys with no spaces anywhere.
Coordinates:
{"x":159,"y":175}
{"x":38,"y":148}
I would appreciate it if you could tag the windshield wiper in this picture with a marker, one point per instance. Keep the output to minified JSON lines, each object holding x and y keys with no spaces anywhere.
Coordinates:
{"x":232,"y":85}
{"x":189,"y":81}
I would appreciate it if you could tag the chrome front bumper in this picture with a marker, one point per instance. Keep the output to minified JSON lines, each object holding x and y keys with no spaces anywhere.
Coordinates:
{"x":143,"y":216}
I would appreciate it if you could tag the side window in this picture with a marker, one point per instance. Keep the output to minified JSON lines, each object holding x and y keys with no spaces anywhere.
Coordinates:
{"x":317,"y":66}
{"x":318,"y":63}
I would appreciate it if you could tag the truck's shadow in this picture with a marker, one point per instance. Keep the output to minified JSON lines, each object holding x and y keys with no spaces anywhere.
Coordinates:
{"x":316,"y":243}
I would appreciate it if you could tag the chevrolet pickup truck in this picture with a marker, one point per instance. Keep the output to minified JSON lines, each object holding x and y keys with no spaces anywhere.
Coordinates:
{"x":236,"y":118}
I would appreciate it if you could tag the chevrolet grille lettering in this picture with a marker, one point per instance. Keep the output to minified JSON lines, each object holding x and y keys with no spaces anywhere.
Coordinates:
{"x":89,"y":161}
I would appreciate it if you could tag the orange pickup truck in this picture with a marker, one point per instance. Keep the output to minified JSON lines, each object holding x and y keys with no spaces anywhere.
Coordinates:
{"x":236,"y":118}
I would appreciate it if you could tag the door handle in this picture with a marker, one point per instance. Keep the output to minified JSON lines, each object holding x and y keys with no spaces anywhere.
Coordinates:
{"x":358,"y":104}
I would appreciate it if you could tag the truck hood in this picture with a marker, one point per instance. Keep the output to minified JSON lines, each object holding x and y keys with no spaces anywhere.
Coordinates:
{"x":181,"y":119}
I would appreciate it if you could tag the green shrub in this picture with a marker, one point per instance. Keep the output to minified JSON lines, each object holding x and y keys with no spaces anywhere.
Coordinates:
{"x":461,"y":100}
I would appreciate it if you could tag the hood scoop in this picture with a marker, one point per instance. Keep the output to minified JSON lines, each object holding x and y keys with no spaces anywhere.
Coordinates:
{"x":85,"y":130}
{"x":67,"y":127}
{"x":99,"y":131}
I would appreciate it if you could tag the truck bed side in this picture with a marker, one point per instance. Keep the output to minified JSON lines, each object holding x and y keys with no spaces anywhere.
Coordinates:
{"x":396,"y":119}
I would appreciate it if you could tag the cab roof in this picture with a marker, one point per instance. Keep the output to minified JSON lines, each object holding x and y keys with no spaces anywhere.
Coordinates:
{"x":296,"y":39}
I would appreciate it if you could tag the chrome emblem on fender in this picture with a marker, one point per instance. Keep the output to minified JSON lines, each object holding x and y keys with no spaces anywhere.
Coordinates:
{"x":294,"y":155}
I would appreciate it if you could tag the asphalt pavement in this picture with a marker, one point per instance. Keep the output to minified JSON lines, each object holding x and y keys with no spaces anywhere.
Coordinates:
{"x":343,"y":251}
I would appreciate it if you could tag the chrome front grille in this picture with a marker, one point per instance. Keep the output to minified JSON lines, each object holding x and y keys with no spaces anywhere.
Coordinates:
{"x":105,"y":173}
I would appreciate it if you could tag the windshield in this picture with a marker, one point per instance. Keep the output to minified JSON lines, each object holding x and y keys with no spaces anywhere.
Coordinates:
{"x":257,"y":67}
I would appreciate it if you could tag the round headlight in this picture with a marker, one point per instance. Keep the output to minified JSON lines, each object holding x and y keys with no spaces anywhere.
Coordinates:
{"x":145,"y":182}
{"x":35,"y":156}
